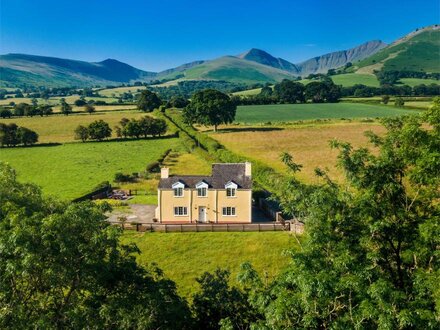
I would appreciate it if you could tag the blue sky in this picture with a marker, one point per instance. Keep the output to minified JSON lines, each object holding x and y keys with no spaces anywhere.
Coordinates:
{"x":156,"y":35}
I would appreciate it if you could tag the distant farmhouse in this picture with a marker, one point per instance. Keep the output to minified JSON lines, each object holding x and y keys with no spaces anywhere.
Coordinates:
{"x":223,"y":197}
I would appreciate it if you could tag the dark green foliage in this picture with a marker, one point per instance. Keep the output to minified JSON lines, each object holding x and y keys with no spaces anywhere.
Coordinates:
{"x":148,"y":101}
{"x":12,"y":135}
{"x":80,"y":103}
{"x":385,"y":99}
{"x":143,"y":127}
{"x":219,"y":304}
{"x":22,"y":109}
{"x":5,"y":113}
{"x":210,"y":107}
{"x":66,"y":109}
{"x":99,"y":130}
{"x":322,"y":91}
{"x":63,"y":266}
{"x":289,"y":91}
{"x":81,"y":133}
{"x":399,"y":102}
{"x":89,"y":109}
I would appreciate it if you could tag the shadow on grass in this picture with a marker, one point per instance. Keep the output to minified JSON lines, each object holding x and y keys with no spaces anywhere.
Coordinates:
{"x":247,"y":129}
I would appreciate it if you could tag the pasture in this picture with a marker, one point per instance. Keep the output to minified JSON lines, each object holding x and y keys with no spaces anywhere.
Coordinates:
{"x":73,"y":169}
{"x":253,"y":114}
{"x":185,"y":256}
{"x":350,"y":79}
{"x":308,"y":144}
{"x":112,"y":92}
{"x":59,"y":128}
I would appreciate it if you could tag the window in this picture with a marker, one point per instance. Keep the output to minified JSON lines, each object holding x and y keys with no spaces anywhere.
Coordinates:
{"x":202,"y":192}
{"x":228,"y":211}
{"x":230,"y":192}
{"x":178,"y":192}
{"x":180,"y":210}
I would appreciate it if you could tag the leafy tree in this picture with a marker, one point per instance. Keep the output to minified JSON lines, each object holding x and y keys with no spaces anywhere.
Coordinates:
{"x":45,"y":110}
{"x":66,"y":108}
{"x":179,"y":102}
{"x":289,"y":91}
{"x":210,"y":107}
{"x":133,"y":129}
{"x":99,"y":130}
{"x":266,"y":91}
{"x":89,"y":109}
{"x":80,"y":103}
{"x":21,"y":109}
{"x":63,"y":266}
{"x":370,"y":258}
{"x":81,"y":133}
{"x":5,"y":113}
{"x":27,"y":136}
{"x":399,"y":102}
{"x":148,"y":101}
{"x":217,"y":302}
{"x":159,"y":127}
{"x":385,"y":99}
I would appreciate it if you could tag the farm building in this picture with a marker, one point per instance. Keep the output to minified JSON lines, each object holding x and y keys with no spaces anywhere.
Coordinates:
{"x":223,"y":197}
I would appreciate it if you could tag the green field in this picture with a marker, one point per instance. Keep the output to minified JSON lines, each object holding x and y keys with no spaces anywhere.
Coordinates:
{"x":350,"y":79}
{"x":416,"y":81}
{"x":291,"y":112}
{"x":71,"y":170}
{"x":185,"y":256}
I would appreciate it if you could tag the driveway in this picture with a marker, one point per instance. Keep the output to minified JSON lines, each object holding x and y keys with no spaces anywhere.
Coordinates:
{"x":140,"y":213}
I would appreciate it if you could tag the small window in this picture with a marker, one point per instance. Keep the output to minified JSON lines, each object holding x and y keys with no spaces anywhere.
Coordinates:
{"x":180,"y":211}
{"x":202,"y":192}
{"x":230,"y":192}
{"x":178,"y":192}
{"x":228,"y":211}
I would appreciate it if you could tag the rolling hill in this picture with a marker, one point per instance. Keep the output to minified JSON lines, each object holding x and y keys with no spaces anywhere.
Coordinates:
{"x":19,"y":69}
{"x":417,"y":51}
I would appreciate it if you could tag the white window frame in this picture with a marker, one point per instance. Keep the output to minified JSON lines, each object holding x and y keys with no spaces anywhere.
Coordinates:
{"x":178,"y":189}
{"x":229,"y":209}
{"x":182,"y":211}
{"x":231,"y":189}
{"x":202,"y":186}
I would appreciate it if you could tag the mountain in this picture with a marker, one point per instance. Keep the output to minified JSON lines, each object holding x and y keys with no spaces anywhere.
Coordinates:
{"x":321,"y":64}
{"x":262,"y":57}
{"x":417,"y":51}
{"x":19,"y":69}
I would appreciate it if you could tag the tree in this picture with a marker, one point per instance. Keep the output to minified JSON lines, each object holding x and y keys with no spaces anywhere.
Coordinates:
{"x":80,"y":103}
{"x":5,"y":113}
{"x":81,"y":133}
{"x":89,"y":109}
{"x":217,"y":302}
{"x":99,"y":130}
{"x":21,"y":109}
{"x":385,"y":99}
{"x":27,"y":136}
{"x":65,"y":107}
{"x":370,"y":258}
{"x":148,"y":101}
{"x":159,"y":127}
{"x":210,"y":107}
{"x":64,"y":266}
{"x":289,"y":91}
{"x":179,"y":102}
{"x":399,"y":102}
{"x":132,"y":129}
{"x":8,"y":135}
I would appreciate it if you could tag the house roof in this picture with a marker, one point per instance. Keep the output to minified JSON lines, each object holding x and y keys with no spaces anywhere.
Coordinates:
{"x":221,"y":175}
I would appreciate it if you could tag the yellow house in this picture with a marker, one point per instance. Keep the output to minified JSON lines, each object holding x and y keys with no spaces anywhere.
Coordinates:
{"x":223,"y":197}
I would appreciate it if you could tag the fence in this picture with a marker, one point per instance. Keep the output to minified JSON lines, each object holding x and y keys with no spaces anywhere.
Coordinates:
{"x":181,"y":228}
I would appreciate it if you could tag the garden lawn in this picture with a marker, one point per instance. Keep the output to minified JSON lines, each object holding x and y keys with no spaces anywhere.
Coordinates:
{"x":293,"y":112}
{"x":74,"y":169}
{"x":186,"y":256}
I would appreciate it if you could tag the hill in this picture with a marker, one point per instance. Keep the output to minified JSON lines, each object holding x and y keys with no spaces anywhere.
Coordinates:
{"x":417,"y":51}
{"x":321,"y":64}
{"x":21,"y":69}
{"x":262,"y":57}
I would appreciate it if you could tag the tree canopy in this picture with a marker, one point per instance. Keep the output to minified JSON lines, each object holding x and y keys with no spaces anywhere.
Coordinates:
{"x":148,"y":101}
{"x":210,"y":107}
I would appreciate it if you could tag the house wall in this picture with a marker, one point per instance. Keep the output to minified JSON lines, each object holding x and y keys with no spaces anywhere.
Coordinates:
{"x":214,"y":202}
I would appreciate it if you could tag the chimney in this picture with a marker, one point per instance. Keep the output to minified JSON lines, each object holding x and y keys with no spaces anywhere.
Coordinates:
{"x":248,"y":169}
{"x":164,"y":172}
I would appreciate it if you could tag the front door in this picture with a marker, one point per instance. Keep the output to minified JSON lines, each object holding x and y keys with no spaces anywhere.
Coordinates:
{"x":202,"y":214}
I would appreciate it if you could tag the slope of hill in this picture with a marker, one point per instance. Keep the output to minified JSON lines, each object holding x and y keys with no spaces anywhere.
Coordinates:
{"x":262,"y":57}
{"x":238,"y":70}
{"x":321,"y":64}
{"x":16,"y":69}
{"x":417,"y":51}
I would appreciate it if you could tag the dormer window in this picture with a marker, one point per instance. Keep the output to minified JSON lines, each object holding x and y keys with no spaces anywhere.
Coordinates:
{"x":231,"y":189}
{"x":202,"y":189}
{"x":178,"y":189}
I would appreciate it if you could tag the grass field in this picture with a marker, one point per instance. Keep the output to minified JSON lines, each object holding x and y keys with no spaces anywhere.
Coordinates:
{"x":185,"y":256}
{"x":71,"y":170}
{"x":415,"y":81}
{"x":109,"y":92}
{"x":309,"y":146}
{"x":350,"y":79}
{"x":60,"y":128}
{"x":292,"y":112}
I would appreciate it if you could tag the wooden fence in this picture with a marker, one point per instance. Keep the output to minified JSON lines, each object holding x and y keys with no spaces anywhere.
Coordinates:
{"x":182,"y":228}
